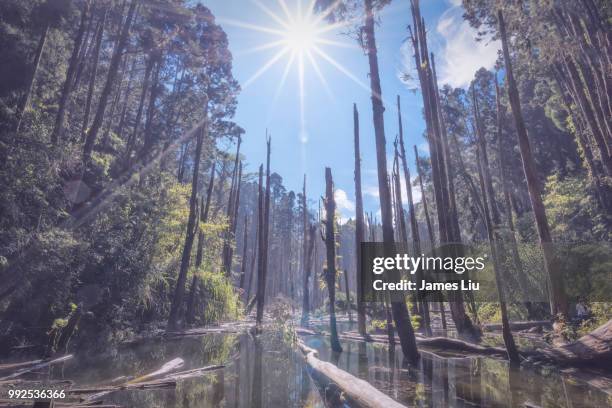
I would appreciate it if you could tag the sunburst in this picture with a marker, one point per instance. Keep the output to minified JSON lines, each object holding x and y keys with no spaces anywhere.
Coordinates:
{"x":303,"y":39}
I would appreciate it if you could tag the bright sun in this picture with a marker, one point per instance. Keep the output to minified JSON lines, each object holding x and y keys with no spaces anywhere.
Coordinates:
{"x":300,"y":36}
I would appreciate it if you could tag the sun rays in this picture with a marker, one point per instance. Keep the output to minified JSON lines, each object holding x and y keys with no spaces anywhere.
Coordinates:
{"x":301,"y":40}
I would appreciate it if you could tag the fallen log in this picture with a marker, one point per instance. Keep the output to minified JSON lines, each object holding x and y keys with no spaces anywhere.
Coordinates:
{"x":168,"y":367}
{"x":161,"y":383}
{"x":196,"y":372}
{"x":13,"y":366}
{"x":594,"y":349}
{"x":37,"y":366}
{"x":342,"y":387}
{"x":519,"y":325}
{"x":439,"y":343}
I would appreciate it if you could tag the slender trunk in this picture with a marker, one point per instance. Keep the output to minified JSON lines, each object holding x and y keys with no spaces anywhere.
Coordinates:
{"x":430,"y":233}
{"x":513,"y":355}
{"x":330,"y":245}
{"x":414,"y":226}
{"x":179,"y":292}
{"x":155,"y":88}
{"x":204,"y":210}
{"x":348,"y":295}
{"x":590,"y":119}
{"x":236,"y":175}
{"x":448,"y":233}
{"x":129,"y":146}
{"x":126,"y":98}
{"x":400,"y":311}
{"x":84,"y":52}
{"x":558,"y":299}
{"x":244,"y":253}
{"x":359,"y":226}
{"x":94,"y":72}
{"x":92,"y":134}
{"x":58,"y":128}
{"x":516,"y":259}
{"x":263,"y":251}
{"x":25,"y":100}
{"x":305,"y":253}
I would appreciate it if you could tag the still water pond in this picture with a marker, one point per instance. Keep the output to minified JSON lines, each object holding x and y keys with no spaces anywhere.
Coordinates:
{"x":267,"y":373}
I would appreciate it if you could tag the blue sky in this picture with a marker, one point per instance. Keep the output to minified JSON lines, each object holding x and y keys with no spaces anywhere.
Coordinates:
{"x":323,"y":135}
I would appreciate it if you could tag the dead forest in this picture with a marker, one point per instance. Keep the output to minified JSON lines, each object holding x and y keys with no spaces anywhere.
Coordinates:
{"x":147,"y":259}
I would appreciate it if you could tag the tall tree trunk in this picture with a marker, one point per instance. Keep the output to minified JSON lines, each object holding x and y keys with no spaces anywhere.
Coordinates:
{"x":414,"y":226}
{"x":330,"y":245}
{"x":94,"y":72}
{"x":263,"y":250}
{"x":513,"y":355}
{"x":204,"y":210}
{"x":155,"y":89}
{"x":590,"y":119}
{"x":236,"y":175}
{"x":306,"y":245}
{"x":92,"y":134}
{"x":131,"y":142}
{"x":126,"y":99}
{"x":254,"y":249}
{"x":179,"y":291}
{"x":58,"y":128}
{"x":311,"y":239}
{"x":516,"y":259}
{"x":245,"y":244}
{"x":400,"y":311}
{"x":348,"y":295}
{"x":359,"y":226}
{"x":448,"y":233}
{"x":558,"y":299}
{"x":430,"y":233}
{"x":25,"y":100}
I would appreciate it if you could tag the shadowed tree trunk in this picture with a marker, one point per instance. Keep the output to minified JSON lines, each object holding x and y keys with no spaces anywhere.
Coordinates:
{"x":359,"y":226}
{"x":400,"y":311}
{"x":558,"y":299}
{"x":94,"y":71}
{"x":245,"y":241}
{"x":448,"y":233}
{"x":307,"y":245}
{"x":179,"y":291}
{"x":263,"y":246}
{"x":155,"y":90}
{"x":129,"y":145}
{"x":330,"y":245}
{"x":516,"y":259}
{"x":513,"y":355}
{"x":430,"y":233}
{"x":348,"y":295}
{"x":25,"y":100}
{"x":414,"y":226}
{"x":79,"y":43}
{"x":232,"y":205}
{"x":92,"y":134}
{"x":204,"y":210}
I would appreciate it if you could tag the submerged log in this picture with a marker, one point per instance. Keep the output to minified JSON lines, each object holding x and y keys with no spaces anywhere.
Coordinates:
{"x":36,"y":365}
{"x":344,"y":387}
{"x":163,"y":370}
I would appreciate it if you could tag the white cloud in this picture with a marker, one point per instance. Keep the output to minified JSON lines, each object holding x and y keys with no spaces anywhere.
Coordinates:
{"x":343,"y":202}
{"x":461,"y":55}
